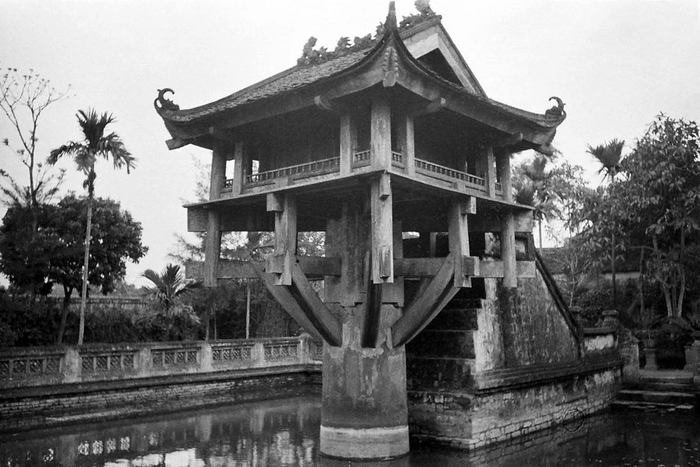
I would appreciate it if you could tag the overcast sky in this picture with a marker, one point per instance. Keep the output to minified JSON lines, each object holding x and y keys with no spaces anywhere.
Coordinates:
{"x":615,"y":63}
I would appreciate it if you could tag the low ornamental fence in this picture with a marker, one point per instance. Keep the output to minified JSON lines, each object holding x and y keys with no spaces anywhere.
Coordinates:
{"x":39,"y":366}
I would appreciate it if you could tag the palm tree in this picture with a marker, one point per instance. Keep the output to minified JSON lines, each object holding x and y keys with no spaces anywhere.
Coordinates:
{"x":533,"y":188}
{"x":85,"y":153}
{"x":168,"y":289}
{"x":609,"y":155}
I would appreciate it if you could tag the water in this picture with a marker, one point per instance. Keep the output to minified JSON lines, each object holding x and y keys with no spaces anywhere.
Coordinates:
{"x":285,"y":433}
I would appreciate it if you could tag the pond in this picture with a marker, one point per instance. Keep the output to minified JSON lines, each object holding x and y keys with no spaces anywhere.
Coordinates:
{"x":285,"y":432}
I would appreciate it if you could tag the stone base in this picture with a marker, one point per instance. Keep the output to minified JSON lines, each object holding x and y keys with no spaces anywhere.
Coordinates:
{"x":364,"y":443}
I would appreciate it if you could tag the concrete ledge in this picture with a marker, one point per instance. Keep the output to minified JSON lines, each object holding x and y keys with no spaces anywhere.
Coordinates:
{"x":364,"y":443}
{"x":498,"y":380}
{"x":73,"y":389}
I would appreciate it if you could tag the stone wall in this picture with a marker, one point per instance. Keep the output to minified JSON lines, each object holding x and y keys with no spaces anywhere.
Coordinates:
{"x":531,"y":367}
{"x":41,"y":366}
{"x":45,"y":387}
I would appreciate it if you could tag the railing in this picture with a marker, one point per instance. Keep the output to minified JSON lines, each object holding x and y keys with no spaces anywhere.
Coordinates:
{"x":442,"y":172}
{"x":359,"y":159}
{"x":20,"y":367}
{"x":309,"y":169}
{"x":29,"y":365}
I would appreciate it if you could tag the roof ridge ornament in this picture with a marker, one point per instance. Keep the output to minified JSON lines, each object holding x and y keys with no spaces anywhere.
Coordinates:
{"x":162,"y":104}
{"x":390,"y":23}
{"x":557,"y":110}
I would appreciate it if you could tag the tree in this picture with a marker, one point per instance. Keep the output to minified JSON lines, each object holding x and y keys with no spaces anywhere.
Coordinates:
{"x":168,"y":289}
{"x":609,"y":156}
{"x":532,"y":182}
{"x":23,"y":99}
{"x":26,"y":250}
{"x":660,"y":196}
{"x":116,"y":238}
{"x":95,"y":144}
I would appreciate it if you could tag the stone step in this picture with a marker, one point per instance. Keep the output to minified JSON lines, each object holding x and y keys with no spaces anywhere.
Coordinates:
{"x":653,"y":406}
{"x":669,"y":397}
{"x":455,"y":320}
{"x":662,"y":387}
{"x":442,"y":344}
{"x":443,"y":374}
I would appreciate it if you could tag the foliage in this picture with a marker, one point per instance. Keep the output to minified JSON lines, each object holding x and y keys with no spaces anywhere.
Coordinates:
{"x":23,"y":99}
{"x":659,"y":201}
{"x":26,"y":255}
{"x":171,"y":314}
{"x":116,"y":239}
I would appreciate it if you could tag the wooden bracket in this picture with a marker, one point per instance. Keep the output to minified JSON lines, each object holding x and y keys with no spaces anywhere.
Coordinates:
{"x":303,"y":304}
{"x":436,"y":295}
{"x":432,"y":107}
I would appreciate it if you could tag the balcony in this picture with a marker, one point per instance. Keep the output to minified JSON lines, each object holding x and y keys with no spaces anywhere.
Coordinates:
{"x":428,"y":171}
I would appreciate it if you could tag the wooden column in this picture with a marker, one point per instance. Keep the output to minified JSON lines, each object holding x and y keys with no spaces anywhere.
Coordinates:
{"x":238,"y":173}
{"x":490,"y":172}
{"x":382,"y":230}
{"x":458,"y":237}
{"x":280,"y":263}
{"x":347,"y":144}
{"x":381,"y":132}
{"x":406,"y":141}
{"x":218,"y":171}
{"x":212,"y":249}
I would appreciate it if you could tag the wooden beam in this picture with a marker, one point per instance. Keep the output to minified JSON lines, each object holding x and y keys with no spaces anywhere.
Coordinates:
{"x":495,"y":269}
{"x":323,"y":103}
{"x":382,"y":230}
{"x":380,"y":126}
{"x":280,"y":262}
{"x":433,"y":106}
{"x":212,"y":249}
{"x":510,"y":140}
{"x":176,"y":143}
{"x":425,"y":306}
{"x":523,"y":222}
{"x":315,"y":267}
{"x":221,"y":134}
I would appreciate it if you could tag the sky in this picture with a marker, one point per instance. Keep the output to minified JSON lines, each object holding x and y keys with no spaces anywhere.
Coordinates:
{"x":615,"y":63}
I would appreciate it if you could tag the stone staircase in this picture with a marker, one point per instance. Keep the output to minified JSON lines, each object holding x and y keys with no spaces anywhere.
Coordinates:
{"x":442,"y":355}
{"x":671,"y":391}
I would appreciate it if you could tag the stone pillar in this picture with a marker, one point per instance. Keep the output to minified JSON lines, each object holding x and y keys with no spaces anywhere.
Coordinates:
{"x":692,"y":357}
{"x":364,"y":410}
{"x":650,"y":354}
{"x":629,"y":350}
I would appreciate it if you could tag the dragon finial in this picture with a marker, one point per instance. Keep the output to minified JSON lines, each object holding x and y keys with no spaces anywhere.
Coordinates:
{"x":557,"y":110}
{"x":161,"y":103}
{"x":423,"y":7}
{"x":390,"y":23}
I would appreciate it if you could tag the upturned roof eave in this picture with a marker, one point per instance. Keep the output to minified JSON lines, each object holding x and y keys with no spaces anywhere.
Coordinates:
{"x":539,"y":127}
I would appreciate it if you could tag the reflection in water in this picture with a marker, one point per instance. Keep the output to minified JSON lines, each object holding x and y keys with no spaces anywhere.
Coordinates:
{"x":285,"y":433}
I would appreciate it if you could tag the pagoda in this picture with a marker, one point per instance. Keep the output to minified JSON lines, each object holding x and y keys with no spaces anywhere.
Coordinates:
{"x":393,"y":149}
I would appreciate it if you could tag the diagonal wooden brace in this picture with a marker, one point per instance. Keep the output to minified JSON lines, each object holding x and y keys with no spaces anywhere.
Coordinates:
{"x":427,"y":305}
{"x":303,"y":304}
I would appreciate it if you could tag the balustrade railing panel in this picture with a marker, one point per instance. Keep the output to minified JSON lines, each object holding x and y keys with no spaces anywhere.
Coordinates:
{"x":90,"y":363}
